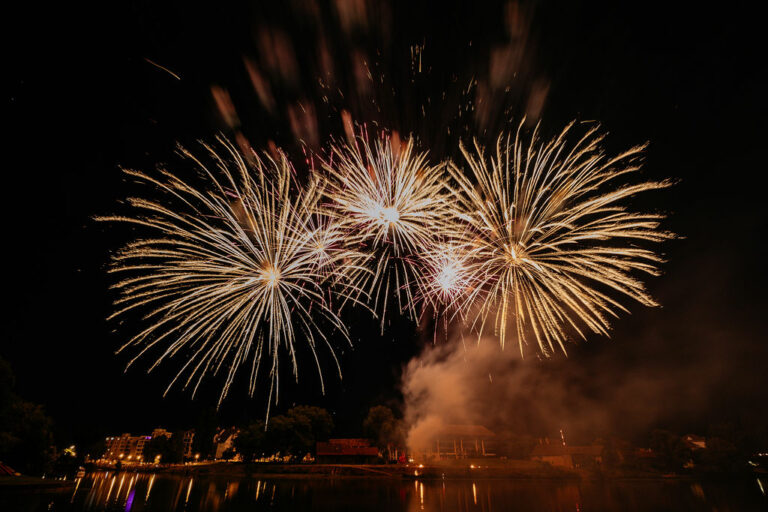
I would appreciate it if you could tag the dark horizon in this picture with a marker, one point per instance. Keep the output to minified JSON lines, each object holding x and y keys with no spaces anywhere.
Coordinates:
{"x":85,"y":101}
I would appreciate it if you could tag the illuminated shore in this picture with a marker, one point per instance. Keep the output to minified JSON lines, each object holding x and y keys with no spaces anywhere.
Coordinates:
{"x":510,"y":469}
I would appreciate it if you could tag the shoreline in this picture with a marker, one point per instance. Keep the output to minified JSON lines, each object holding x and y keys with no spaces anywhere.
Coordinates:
{"x":31,"y":483}
{"x":388,"y":472}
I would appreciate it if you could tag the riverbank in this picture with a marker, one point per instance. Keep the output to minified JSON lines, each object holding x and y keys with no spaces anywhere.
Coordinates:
{"x":513,"y":469}
{"x":30,"y":483}
{"x":507,"y":469}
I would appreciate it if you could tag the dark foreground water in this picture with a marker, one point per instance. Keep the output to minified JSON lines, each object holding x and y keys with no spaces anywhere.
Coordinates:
{"x":132,"y":492}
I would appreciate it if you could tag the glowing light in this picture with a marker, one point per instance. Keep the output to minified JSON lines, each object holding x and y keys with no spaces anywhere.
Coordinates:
{"x":389,"y":215}
{"x":189,"y":490}
{"x":270,"y":276}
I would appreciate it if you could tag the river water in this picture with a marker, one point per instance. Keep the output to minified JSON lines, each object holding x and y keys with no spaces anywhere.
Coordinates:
{"x":137,"y":492}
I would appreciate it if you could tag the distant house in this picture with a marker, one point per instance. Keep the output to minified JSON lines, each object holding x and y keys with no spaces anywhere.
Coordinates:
{"x":189,"y":439}
{"x":125,"y":447}
{"x":695,"y":442}
{"x":569,"y":457}
{"x":128,"y":448}
{"x":458,"y":442}
{"x":347,"y":451}
{"x":224,"y":440}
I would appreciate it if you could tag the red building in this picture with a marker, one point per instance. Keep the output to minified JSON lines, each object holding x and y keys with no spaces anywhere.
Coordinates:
{"x":347,"y":451}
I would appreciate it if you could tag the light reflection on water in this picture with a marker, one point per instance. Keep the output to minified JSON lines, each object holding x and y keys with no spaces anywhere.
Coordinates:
{"x":138,"y":492}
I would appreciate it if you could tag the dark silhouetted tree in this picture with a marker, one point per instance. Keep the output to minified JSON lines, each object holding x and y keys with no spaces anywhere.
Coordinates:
{"x":384,"y":429}
{"x":26,"y":439}
{"x":251,"y":441}
{"x":170,"y":449}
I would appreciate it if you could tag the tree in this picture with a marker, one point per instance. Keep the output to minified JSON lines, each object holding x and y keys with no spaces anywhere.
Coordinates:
{"x":251,"y":441}
{"x":26,"y":437}
{"x":319,"y":420}
{"x":284,"y":435}
{"x":177,"y":446}
{"x":67,"y":462}
{"x":384,"y":429}
{"x":310,"y":425}
{"x":228,"y":454}
{"x":296,"y":433}
{"x":170,"y":449}
{"x":205,"y":430}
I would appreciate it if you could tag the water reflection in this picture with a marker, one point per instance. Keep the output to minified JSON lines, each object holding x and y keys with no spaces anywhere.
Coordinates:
{"x":139,"y":492}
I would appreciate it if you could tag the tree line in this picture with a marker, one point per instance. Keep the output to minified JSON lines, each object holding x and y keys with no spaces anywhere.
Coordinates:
{"x":296,"y":433}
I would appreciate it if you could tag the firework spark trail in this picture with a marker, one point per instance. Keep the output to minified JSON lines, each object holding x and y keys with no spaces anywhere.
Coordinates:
{"x":549,"y":237}
{"x":393,"y":203}
{"x":237,"y":267}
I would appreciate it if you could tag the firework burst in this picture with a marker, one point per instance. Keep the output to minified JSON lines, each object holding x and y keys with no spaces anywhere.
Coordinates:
{"x":393,"y":204}
{"x":549,"y":239}
{"x":235,"y":269}
{"x":536,"y":238}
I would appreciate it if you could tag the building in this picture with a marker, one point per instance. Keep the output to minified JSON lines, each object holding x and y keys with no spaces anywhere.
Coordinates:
{"x":189,"y":439}
{"x":458,"y":442}
{"x":160,"y":432}
{"x":130,"y":448}
{"x":695,"y":442}
{"x":570,"y":457}
{"x":347,"y":451}
{"x":224,"y":441}
{"x":126,"y":447}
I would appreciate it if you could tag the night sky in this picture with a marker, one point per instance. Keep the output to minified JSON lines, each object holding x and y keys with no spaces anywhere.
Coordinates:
{"x":84,"y":101}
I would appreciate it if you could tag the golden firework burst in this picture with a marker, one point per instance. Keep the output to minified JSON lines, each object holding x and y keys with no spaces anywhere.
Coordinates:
{"x":549,"y":237}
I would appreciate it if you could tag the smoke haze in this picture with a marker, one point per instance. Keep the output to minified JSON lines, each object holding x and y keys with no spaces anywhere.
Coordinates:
{"x":604,"y":390}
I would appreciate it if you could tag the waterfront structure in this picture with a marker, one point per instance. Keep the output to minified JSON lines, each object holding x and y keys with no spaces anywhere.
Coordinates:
{"x":125,"y":447}
{"x":454,"y":441}
{"x":130,"y":448}
{"x":224,"y":441}
{"x":346,"y":451}
{"x":569,"y":457}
